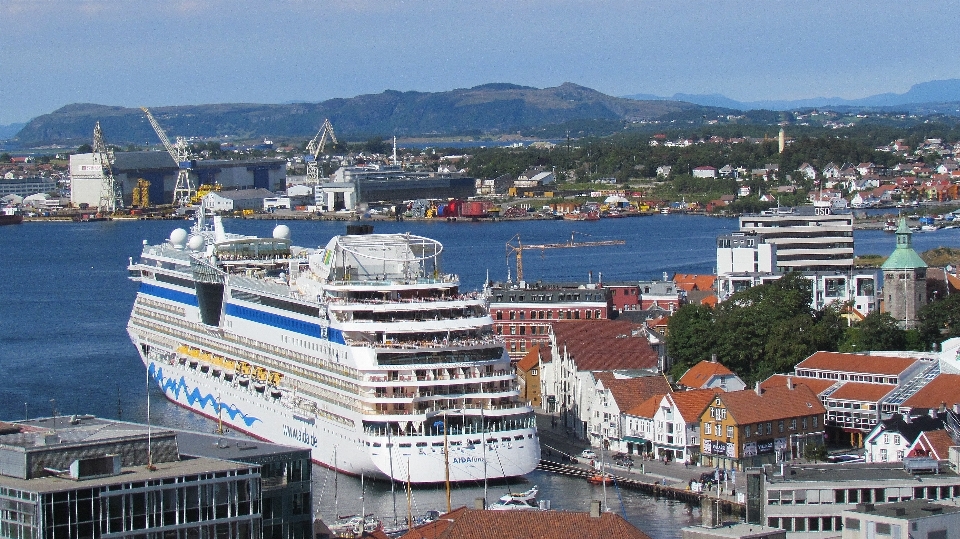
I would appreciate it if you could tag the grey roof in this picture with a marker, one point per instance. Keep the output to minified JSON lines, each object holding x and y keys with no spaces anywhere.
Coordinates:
{"x":142,"y":160}
{"x":909,"y":510}
{"x":197,"y":444}
{"x":246,"y":194}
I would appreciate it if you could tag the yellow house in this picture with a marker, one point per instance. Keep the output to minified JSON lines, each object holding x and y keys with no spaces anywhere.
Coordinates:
{"x":748,"y":428}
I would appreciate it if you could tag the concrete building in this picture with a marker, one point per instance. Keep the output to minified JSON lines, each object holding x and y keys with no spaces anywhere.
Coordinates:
{"x":350,"y":186}
{"x":920,"y":519}
{"x":244,"y":199}
{"x":904,"y":280}
{"x":816,"y":241}
{"x":86,"y":179}
{"x":810,"y":501}
{"x":81,"y":476}
{"x":25,"y":187}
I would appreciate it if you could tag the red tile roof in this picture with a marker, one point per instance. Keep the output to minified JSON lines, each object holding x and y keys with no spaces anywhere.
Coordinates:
{"x":603,"y":345}
{"x":932,"y":443}
{"x":688,"y":282}
{"x":631,"y":392}
{"x":702,"y":372}
{"x":857,"y":363}
{"x":530,"y":360}
{"x":466,"y":523}
{"x":818,"y":385}
{"x":862,"y":391}
{"x":647,"y":408}
{"x":944,"y":389}
{"x":772,"y":404}
{"x":691,"y":404}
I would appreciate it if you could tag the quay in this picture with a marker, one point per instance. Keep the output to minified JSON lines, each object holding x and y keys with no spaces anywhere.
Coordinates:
{"x":652,"y":477}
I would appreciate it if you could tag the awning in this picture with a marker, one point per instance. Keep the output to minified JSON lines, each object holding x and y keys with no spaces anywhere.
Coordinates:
{"x":634,"y":439}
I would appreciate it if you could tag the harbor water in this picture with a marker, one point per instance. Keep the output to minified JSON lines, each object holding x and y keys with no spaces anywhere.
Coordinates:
{"x":65,"y":300}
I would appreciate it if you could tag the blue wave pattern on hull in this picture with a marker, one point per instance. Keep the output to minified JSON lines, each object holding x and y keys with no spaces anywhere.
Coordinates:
{"x":194,"y":396}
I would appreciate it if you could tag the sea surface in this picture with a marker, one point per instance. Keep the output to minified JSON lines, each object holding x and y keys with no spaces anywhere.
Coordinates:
{"x":65,"y":300}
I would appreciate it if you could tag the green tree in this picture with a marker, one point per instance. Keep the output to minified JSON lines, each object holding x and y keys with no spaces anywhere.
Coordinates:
{"x":85,"y":148}
{"x":939,"y":320}
{"x":877,"y":331}
{"x":691,"y":336}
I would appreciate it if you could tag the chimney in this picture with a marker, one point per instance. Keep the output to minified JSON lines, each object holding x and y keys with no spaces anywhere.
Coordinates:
{"x":956,"y":408}
{"x":757,"y":389}
{"x":594,"y":508}
{"x":933,"y":413}
{"x":789,"y":382}
{"x":906,"y":418}
{"x":479,"y":503}
{"x":943,"y":407}
{"x":713,"y":357}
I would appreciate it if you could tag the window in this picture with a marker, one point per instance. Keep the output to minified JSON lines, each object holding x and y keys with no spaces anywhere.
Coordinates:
{"x":730,"y":431}
{"x":883,"y":528}
{"x":534,"y":372}
{"x":851,"y":523}
{"x":804,"y":423}
{"x":781,"y":425}
{"x":814,"y":421}
{"x":769,"y":428}
{"x":896,"y":439}
{"x":707,"y":428}
{"x":746,"y":431}
{"x":793,"y":424}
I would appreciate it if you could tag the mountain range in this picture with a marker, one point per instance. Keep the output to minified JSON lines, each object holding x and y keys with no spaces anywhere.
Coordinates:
{"x":925,"y":93}
{"x":486,"y":109}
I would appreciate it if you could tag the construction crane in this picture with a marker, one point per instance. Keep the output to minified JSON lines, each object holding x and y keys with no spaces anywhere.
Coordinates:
{"x":183,"y":191}
{"x":518,"y":248}
{"x":315,"y":148}
{"x":111,"y":195}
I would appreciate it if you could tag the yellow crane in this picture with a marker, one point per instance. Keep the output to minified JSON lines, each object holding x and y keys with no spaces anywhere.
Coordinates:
{"x":141,"y":194}
{"x":516,"y":247}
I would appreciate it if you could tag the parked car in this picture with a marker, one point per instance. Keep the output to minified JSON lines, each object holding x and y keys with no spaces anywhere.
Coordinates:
{"x":588,"y":454}
{"x":840,"y":459}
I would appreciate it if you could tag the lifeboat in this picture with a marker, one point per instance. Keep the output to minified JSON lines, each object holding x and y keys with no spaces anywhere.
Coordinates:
{"x":600,"y":479}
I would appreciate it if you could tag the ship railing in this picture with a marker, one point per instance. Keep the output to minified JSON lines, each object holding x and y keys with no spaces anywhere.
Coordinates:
{"x":372,"y":282}
{"x":517,"y":405}
{"x":413,"y":345}
{"x":411,"y":378}
{"x":459,"y":297}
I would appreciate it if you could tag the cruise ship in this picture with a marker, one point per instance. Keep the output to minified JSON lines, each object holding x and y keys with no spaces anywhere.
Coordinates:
{"x":362,"y":350}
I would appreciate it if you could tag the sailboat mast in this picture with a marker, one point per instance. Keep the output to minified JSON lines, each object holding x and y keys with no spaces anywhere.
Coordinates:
{"x":393,"y":483}
{"x":446,"y":460}
{"x":409,"y":499}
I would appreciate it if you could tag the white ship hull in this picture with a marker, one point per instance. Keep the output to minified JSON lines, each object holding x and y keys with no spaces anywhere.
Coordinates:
{"x":360,"y":409}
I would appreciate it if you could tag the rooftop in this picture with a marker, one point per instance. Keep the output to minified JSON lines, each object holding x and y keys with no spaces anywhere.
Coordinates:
{"x":861,"y":391}
{"x":818,"y":385}
{"x":702,"y":372}
{"x":466,"y":523}
{"x":940,"y":390}
{"x":857,"y":363}
{"x":603,"y":345}
{"x":630,"y":392}
{"x":865,"y":472}
{"x":908,"y":510}
{"x":746,"y":406}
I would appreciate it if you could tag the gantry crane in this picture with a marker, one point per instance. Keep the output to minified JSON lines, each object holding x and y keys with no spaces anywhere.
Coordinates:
{"x":111,"y":195}
{"x":519,"y":248}
{"x":315,"y":148}
{"x":184,"y":190}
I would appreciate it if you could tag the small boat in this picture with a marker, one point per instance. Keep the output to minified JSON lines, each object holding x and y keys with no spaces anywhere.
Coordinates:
{"x":582,"y":216}
{"x":517,"y":501}
{"x":890,"y":226}
{"x":356,"y":526}
{"x":600,"y":479}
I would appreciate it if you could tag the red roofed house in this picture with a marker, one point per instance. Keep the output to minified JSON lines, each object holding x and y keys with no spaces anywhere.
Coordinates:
{"x":753,"y":427}
{"x":677,"y":424}
{"x":577,"y":349}
{"x":934,"y":444}
{"x":615,"y":394}
{"x":466,"y":523}
{"x":864,"y":388}
{"x":941,"y":391}
{"x":711,"y":374}
{"x":639,"y":431}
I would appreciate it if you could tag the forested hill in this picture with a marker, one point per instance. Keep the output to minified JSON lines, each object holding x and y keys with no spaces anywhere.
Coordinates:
{"x":486,"y":109}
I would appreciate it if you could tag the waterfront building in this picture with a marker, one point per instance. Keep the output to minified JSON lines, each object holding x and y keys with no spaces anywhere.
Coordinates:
{"x":809,"y":501}
{"x":580,"y":347}
{"x":892,"y":438}
{"x":711,"y":374}
{"x":523,"y":314}
{"x":352,"y":185}
{"x":920,"y":519}
{"x":80,"y":476}
{"x":676,"y":424}
{"x":615,"y":393}
{"x":25,"y":187}
{"x":160,"y":170}
{"x":638,"y":425}
{"x":464,"y":523}
{"x":816,"y":241}
{"x":905,"y":280}
{"x":749,"y":428}
{"x":528,"y":375}
{"x":623,"y":296}
{"x":236,"y":200}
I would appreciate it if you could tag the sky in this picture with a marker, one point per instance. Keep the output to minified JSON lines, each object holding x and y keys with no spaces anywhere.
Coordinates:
{"x":179,"y":52}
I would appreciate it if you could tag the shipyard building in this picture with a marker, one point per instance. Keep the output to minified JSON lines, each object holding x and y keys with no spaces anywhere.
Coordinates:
{"x":89,"y":477}
{"x":352,"y":185}
{"x":159,"y":169}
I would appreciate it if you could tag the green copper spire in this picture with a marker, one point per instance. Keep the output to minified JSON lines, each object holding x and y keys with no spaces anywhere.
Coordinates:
{"x":904,"y":257}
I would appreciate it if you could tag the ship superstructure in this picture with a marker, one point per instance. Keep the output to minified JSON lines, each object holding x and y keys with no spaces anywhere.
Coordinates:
{"x":362,"y":350}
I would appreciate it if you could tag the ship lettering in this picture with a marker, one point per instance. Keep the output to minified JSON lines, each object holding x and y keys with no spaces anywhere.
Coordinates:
{"x":300,"y":435}
{"x":467,"y":460}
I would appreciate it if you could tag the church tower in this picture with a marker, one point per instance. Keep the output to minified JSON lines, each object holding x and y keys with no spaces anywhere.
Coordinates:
{"x":904,"y":280}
